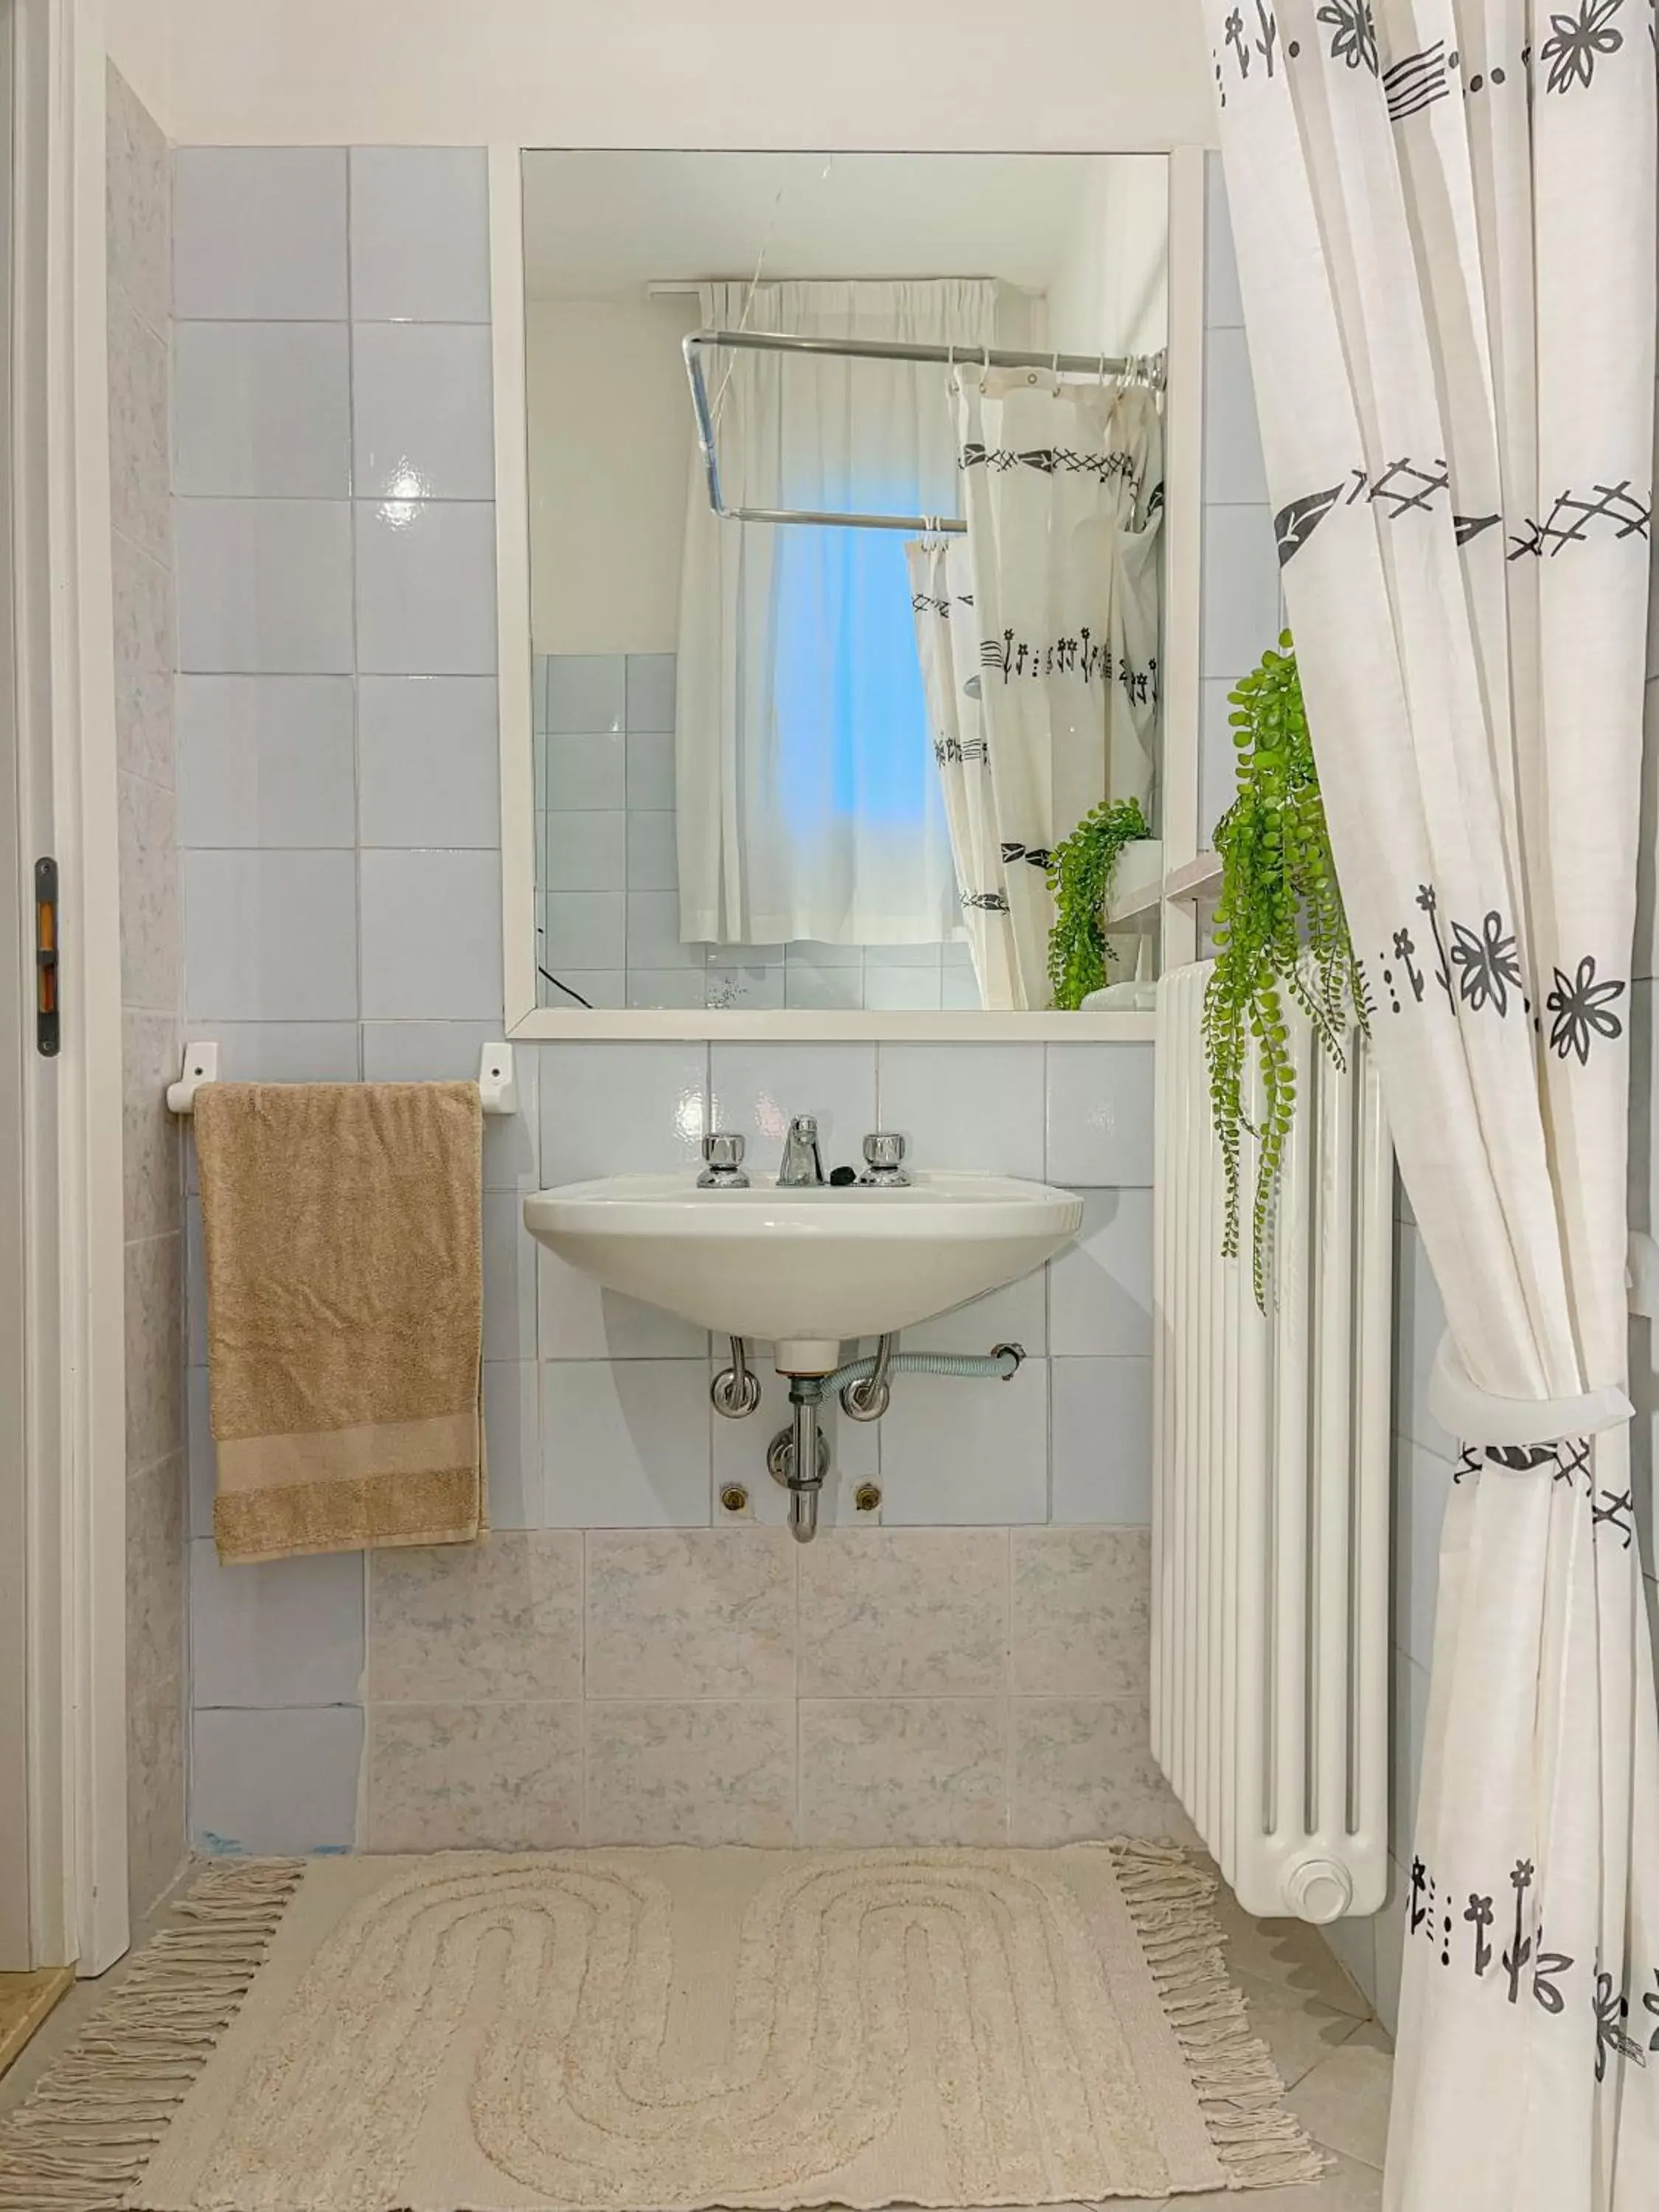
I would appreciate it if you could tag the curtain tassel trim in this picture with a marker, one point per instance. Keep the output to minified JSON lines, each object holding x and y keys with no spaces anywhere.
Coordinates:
{"x":1170,"y":1901}
{"x":81,"y":2139}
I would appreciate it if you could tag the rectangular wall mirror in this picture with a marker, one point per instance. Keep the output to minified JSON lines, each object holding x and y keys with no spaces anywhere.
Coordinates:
{"x":848,"y":561}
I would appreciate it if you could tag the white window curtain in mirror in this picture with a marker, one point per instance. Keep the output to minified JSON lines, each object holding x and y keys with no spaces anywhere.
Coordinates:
{"x":1038,"y":642}
{"x":807,"y":802}
{"x":1444,"y":221}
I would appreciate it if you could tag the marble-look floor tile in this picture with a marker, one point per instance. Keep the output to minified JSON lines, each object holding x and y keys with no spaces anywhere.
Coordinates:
{"x":1082,"y":1612}
{"x":903,"y":1771}
{"x":465,"y":1777}
{"x":691,"y":1613}
{"x":1289,"y":1952}
{"x":904,"y":1612}
{"x":460,"y":1622}
{"x":1343,"y":2102}
{"x":714,"y":1772}
{"x":1083,"y":1768}
{"x":1300,"y":2032}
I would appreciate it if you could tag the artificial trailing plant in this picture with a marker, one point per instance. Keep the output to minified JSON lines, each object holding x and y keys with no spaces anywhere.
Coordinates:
{"x":1080,"y":871}
{"x":1279,"y":931}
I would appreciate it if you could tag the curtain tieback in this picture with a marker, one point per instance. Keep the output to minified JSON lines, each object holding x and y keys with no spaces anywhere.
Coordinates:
{"x":1481,"y":1417}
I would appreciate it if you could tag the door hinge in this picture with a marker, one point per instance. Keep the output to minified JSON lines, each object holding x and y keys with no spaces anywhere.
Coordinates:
{"x":47,"y":1034}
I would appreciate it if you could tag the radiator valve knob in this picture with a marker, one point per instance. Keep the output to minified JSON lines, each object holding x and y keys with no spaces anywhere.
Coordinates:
{"x":1318,"y":1890}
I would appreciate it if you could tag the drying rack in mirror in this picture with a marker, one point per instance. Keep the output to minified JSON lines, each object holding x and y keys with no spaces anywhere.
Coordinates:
{"x":1144,"y":368}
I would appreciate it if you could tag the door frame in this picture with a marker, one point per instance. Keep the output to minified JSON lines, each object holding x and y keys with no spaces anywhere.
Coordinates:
{"x":70,"y":1765}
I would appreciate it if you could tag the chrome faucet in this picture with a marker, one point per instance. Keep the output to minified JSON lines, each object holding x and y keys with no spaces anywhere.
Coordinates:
{"x":803,"y":1164}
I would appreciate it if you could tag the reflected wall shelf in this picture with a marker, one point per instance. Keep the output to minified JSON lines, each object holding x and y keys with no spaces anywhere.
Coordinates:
{"x":1144,"y":883}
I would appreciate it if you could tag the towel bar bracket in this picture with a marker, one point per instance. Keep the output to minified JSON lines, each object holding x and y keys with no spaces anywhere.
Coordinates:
{"x":498,"y":1091}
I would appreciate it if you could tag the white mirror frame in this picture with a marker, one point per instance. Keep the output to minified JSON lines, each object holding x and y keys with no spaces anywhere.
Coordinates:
{"x":1184,"y":438}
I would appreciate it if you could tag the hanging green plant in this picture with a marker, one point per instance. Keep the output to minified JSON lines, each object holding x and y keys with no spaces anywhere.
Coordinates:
{"x":1280,"y":932}
{"x":1081,"y":868}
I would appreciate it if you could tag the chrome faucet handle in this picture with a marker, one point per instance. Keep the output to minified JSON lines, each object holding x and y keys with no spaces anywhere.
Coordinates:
{"x":722,"y":1155}
{"x":884,"y":1157}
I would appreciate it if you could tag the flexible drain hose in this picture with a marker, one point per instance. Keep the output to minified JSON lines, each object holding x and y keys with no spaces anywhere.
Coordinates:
{"x":991,"y":1366}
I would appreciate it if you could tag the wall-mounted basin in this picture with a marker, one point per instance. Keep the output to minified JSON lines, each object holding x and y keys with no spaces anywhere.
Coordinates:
{"x":805,"y":1269}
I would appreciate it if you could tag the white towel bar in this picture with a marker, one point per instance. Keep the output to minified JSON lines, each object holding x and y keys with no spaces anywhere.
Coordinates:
{"x":497,"y":1091}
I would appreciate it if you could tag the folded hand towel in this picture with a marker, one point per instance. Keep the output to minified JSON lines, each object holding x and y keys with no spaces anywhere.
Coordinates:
{"x":345,"y":1313}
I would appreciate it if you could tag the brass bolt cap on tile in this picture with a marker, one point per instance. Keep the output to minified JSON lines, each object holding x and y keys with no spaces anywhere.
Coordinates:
{"x":867,"y":1496}
{"x":734,"y":1497}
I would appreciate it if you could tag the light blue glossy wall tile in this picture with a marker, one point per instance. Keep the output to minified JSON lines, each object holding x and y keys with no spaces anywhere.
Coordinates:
{"x":266,"y":760}
{"x":431,"y":935}
{"x":268,"y":1784}
{"x":282,"y":1632}
{"x":420,"y":233}
{"x":259,"y":232}
{"x":608,"y":1109}
{"x":422,"y":410}
{"x":1099,"y":1102}
{"x":264,"y":586}
{"x":1102,"y":1292}
{"x":262,"y":410}
{"x":271,"y":936}
{"x":625,"y":1443}
{"x":587,"y":692}
{"x":1101,"y":1441}
{"x":973,"y":1106}
{"x":426,"y":587}
{"x":429,"y":760}
{"x":650,"y":692}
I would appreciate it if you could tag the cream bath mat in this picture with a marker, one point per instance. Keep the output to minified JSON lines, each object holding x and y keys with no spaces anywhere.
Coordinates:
{"x":604,"y":2031}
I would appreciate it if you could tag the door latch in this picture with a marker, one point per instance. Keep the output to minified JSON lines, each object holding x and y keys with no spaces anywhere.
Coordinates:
{"x":47,"y":1033}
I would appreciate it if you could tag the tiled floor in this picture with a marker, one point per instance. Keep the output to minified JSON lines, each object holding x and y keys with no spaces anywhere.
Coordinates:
{"x":1334,"y":2059}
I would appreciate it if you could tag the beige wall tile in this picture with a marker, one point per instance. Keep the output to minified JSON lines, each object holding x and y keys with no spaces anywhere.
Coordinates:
{"x":155,"y":1680}
{"x":1083,"y":1768}
{"x":903,"y":1771}
{"x":154,"y":1316}
{"x":1082,"y":1612}
{"x":717,"y":1772}
{"x":151,"y":966}
{"x":904,"y":1612}
{"x":140,"y":465}
{"x":456,"y":1623}
{"x":139,"y":204}
{"x":691,"y":1613}
{"x":145,"y":659}
{"x":492,"y":1777}
{"x":151,"y":1162}
{"x":156,"y":1843}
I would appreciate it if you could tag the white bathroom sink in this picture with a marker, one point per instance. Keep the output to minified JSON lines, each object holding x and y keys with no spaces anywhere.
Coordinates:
{"x":803,"y":1269}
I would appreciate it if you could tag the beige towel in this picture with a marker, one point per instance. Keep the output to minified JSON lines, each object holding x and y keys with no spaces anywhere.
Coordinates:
{"x":345,"y":1313}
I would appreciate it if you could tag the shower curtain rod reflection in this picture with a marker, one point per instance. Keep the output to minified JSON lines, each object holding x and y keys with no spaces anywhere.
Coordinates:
{"x":1141,"y":367}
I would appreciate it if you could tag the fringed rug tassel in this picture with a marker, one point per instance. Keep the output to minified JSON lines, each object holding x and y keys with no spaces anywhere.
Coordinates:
{"x":1170,"y":1901}
{"x":81,"y":2141}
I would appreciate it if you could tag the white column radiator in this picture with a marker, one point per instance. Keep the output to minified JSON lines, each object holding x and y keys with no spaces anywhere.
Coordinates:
{"x":1270,"y":1512}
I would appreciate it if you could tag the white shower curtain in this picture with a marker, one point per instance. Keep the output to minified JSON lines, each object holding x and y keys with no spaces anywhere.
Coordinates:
{"x":807,"y":804}
{"x":1039,"y":643}
{"x":1445,"y":218}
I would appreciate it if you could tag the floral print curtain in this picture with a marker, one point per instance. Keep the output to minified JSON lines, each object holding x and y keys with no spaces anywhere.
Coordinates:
{"x":1445,"y":216}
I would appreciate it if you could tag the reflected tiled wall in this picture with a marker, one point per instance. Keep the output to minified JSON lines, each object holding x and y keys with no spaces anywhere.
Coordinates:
{"x":608,"y":873}
{"x":141,"y":556}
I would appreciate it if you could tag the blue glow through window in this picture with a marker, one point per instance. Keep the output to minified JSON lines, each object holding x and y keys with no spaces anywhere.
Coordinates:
{"x":852,"y":720}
